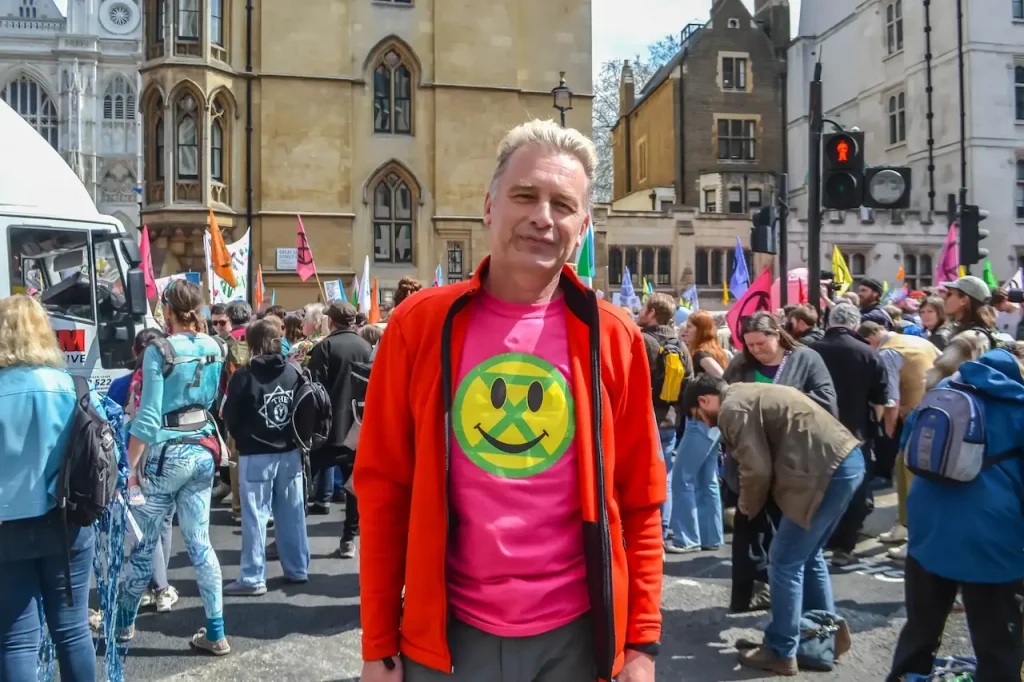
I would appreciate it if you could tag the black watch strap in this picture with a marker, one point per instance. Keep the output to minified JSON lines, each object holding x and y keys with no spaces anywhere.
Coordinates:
{"x":389,"y":662}
{"x":650,"y":648}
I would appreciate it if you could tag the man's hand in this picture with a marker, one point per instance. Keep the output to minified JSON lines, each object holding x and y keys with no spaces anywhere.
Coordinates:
{"x":639,"y":667}
{"x":376,"y":671}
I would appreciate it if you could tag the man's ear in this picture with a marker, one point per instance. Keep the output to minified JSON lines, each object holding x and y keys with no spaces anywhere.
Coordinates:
{"x":487,"y":209}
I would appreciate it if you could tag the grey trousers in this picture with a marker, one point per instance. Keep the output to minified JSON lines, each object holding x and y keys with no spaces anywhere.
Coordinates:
{"x":562,"y":655}
{"x":161,"y":554}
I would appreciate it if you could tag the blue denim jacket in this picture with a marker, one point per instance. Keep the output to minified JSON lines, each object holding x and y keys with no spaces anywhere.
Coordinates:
{"x":36,"y":409}
{"x":163,"y":395}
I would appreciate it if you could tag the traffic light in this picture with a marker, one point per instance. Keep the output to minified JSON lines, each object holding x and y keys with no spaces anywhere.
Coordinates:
{"x":887,"y":187}
{"x":761,"y":238}
{"x":842,"y":173}
{"x":971,"y":235}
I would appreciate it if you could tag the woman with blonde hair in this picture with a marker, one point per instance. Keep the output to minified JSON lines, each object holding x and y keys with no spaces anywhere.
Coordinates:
{"x":315,"y":326}
{"x":37,"y":404}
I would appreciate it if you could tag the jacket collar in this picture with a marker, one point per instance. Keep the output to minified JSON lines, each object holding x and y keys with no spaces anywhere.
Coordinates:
{"x":837,"y":332}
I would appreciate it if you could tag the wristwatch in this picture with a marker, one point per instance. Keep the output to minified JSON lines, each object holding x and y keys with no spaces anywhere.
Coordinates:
{"x":650,"y":648}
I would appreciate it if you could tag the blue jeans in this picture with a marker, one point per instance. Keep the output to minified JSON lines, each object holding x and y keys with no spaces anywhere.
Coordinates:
{"x":187,"y":481}
{"x":797,"y":572}
{"x":696,"y":503}
{"x":668,"y":448}
{"x":272,"y":485}
{"x":32,"y":573}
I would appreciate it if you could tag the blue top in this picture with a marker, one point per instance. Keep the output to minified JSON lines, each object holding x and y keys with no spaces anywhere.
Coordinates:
{"x":286,"y":346}
{"x":974,"y":532}
{"x":162,"y":396}
{"x":118,"y":391}
{"x":36,"y":419}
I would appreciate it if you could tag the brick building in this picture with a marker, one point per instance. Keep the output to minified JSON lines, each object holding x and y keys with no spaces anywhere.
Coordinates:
{"x":707,"y":131}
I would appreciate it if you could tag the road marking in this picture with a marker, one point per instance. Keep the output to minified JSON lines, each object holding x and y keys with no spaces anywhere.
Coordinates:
{"x":688,"y":583}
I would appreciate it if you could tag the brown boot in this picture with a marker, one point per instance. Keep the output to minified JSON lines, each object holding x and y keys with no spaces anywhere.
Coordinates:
{"x":843,"y":639}
{"x":763,"y":658}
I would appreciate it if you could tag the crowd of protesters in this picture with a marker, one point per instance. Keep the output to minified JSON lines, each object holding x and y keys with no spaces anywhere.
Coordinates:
{"x":529,"y":454}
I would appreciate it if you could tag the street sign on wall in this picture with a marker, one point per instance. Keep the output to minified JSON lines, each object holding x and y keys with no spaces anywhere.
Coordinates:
{"x":287,"y":259}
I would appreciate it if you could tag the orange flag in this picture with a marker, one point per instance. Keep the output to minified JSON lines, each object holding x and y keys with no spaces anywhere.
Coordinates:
{"x":220,"y":257}
{"x":374,"y":315}
{"x":257,"y":290}
{"x":900,"y":274}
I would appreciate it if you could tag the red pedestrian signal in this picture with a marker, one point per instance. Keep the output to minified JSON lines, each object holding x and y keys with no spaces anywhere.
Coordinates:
{"x":843,"y":152}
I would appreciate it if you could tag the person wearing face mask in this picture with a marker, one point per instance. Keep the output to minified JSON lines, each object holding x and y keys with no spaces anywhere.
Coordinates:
{"x":792,"y":450}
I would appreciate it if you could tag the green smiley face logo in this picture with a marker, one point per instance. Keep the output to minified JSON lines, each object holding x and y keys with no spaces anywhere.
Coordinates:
{"x":514,"y":415}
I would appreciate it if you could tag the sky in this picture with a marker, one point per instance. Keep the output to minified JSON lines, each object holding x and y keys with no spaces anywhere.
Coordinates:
{"x":624,"y":28}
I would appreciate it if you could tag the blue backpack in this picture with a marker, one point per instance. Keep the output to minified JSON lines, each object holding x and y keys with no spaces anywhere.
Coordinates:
{"x":947,"y":437}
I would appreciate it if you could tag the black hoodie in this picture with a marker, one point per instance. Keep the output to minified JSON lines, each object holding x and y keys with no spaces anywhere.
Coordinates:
{"x":258,"y":407}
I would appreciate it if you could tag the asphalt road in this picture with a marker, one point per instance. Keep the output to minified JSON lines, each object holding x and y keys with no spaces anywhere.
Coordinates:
{"x":309,"y":633}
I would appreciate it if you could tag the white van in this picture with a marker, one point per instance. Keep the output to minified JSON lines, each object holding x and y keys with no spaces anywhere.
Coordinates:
{"x":54,"y":244}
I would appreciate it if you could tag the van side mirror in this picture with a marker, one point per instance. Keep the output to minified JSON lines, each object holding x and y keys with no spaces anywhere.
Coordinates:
{"x":137,"y":304}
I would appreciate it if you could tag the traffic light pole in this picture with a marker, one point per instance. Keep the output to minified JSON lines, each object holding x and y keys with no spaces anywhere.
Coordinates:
{"x":813,"y":198}
{"x":783,"y":236}
{"x":963,"y":110}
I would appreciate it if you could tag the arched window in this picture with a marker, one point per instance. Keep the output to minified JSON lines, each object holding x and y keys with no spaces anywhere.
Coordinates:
{"x":216,"y":152}
{"x":119,"y":101}
{"x":27,"y":97}
{"x":393,"y":220}
{"x":392,"y":96}
{"x":187,"y":138}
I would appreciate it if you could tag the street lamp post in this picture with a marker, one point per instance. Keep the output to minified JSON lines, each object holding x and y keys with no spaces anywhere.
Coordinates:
{"x":562,"y":97}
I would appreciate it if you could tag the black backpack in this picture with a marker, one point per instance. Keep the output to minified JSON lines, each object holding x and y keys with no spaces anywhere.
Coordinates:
{"x":88,"y":475}
{"x":312,"y":414}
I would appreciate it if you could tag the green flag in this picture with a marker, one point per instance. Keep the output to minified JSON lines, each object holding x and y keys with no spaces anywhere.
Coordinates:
{"x":989,"y":276}
{"x":585,"y":265}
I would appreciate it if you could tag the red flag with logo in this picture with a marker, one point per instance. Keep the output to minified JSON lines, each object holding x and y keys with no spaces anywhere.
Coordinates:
{"x":304,"y":265}
{"x":757,"y":298}
{"x":147,"y":265}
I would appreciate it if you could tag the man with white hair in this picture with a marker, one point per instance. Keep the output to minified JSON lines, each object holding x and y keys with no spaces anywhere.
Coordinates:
{"x":860,"y":380}
{"x":510,"y":476}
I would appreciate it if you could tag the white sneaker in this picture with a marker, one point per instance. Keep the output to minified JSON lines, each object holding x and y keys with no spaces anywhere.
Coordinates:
{"x":165,"y":599}
{"x":897,"y":535}
{"x":898,"y":553}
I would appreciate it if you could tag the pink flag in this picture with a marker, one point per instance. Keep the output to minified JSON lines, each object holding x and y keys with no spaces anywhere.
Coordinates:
{"x":147,"y":265}
{"x":757,"y":297}
{"x":949,"y":259}
{"x":304,"y":266}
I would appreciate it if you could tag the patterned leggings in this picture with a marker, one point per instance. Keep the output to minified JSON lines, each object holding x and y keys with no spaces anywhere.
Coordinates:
{"x":186,"y":480}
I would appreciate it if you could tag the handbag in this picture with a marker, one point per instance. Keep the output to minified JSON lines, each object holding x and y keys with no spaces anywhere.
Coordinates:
{"x":817,"y":647}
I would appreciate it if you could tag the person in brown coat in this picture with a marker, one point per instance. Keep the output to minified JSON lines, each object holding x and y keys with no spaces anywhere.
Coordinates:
{"x":790,"y":448}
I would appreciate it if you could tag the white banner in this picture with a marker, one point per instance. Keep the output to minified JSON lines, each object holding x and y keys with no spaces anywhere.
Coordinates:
{"x":222,"y":291}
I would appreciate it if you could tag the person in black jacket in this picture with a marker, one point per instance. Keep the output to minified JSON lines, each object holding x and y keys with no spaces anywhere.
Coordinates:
{"x":258,"y":415}
{"x":860,"y":380}
{"x":330,"y":363}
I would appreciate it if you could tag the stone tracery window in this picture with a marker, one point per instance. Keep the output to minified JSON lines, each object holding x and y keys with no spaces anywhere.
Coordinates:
{"x":392,"y":95}
{"x":28,"y":97}
{"x":393,"y":219}
{"x":220,"y":150}
{"x":119,"y":117}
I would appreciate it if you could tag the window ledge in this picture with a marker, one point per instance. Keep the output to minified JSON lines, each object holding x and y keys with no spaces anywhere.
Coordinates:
{"x":897,"y":53}
{"x":1019,"y":122}
{"x":387,"y":3}
{"x":898,"y":145}
{"x":1019,"y":21}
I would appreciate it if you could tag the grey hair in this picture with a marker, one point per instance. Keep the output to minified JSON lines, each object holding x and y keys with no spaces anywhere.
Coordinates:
{"x":844,"y":315}
{"x":549,"y":135}
{"x":314,"y":314}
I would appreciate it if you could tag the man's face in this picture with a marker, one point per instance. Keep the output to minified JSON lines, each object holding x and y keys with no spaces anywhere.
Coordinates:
{"x":797,"y":327}
{"x":646,"y":317}
{"x":537,"y":212}
{"x":221,"y":323}
{"x":875,"y":341}
{"x":868,"y":296}
{"x":708,"y":407}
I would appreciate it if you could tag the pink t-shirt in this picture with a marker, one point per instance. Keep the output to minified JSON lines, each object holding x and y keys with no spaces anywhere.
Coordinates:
{"x":515,"y":560}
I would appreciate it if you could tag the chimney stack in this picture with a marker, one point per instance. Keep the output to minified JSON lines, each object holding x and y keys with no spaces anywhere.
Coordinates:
{"x":627,"y":89}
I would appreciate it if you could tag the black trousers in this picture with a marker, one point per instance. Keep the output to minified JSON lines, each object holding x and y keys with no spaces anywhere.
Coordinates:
{"x":993,"y":619}
{"x":351,"y":527}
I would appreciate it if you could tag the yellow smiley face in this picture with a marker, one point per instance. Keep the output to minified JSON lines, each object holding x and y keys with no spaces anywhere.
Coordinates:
{"x":514,"y":415}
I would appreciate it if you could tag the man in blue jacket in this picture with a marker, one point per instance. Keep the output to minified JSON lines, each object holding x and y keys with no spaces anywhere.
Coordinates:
{"x":971,"y":536}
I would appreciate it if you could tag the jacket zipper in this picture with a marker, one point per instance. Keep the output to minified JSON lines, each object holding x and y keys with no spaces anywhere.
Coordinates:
{"x":447,"y":388}
{"x":602,"y":511}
